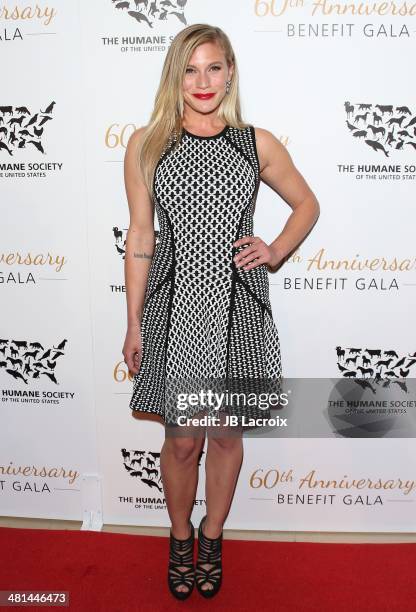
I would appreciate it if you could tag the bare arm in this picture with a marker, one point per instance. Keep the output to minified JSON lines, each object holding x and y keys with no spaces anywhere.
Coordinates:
{"x":139,"y":246}
{"x":279,"y":172}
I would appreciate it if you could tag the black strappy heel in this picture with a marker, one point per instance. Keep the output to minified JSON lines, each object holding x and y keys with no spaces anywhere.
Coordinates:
{"x":209,"y":553}
{"x":181,"y":555}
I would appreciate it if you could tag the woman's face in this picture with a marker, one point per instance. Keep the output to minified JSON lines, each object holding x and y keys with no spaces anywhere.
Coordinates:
{"x":206,"y":73}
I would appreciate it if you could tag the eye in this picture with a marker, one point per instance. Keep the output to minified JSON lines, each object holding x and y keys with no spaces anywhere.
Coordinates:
{"x":189,"y":70}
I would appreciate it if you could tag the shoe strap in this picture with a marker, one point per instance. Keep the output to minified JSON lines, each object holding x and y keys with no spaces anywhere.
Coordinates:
{"x":209,"y":549}
{"x":181,"y":559}
{"x":181,"y":551}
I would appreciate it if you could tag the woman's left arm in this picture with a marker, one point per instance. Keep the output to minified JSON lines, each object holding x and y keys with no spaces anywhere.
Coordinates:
{"x":279,"y":172}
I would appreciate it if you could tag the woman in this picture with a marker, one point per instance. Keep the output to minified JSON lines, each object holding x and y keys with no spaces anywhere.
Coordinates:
{"x":197,"y":302}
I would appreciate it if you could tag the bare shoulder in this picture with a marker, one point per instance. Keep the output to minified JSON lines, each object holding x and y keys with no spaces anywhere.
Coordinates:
{"x":278,"y":170}
{"x":136,"y":138}
{"x":269,"y":148}
{"x":131,"y":167}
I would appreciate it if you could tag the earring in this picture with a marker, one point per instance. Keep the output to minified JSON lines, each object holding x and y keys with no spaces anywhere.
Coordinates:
{"x":227,"y":87}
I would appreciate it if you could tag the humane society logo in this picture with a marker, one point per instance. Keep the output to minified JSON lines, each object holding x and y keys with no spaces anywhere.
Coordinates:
{"x":147,"y":18}
{"x":22,"y":133}
{"x":144,"y":467}
{"x":375,"y":396}
{"x":26,"y":362}
{"x":387,"y":133}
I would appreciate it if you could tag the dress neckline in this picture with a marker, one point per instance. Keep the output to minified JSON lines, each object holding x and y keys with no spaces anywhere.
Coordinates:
{"x":199,"y":137}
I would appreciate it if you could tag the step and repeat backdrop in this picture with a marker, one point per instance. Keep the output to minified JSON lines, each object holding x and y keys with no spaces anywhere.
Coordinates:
{"x":332,"y":81}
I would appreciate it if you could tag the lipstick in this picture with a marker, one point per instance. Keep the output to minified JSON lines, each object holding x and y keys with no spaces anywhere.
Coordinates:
{"x":205,"y":96}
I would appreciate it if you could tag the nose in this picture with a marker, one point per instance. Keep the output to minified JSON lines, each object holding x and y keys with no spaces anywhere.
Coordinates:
{"x":202,"y":80}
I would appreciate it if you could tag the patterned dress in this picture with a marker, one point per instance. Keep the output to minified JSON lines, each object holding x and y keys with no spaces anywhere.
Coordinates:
{"x":205,"y":320}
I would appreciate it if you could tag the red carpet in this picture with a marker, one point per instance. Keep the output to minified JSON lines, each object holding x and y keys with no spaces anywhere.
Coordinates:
{"x":107,"y":572}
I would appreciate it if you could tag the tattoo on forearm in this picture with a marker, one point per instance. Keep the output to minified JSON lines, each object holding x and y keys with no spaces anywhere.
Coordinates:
{"x":143,"y":255}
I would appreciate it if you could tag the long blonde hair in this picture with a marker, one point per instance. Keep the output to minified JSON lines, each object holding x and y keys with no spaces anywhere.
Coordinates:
{"x":166,"y":118}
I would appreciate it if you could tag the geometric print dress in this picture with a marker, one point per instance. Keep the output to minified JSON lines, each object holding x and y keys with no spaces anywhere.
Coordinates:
{"x":206,"y":324}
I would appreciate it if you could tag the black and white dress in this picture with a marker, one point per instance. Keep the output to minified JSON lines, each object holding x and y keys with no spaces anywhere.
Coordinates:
{"x":204,"y":319}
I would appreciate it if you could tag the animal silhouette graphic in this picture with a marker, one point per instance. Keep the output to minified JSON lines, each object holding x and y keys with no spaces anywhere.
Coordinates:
{"x":149,"y":473}
{"x":25,"y":360}
{"x":375,"y":364}
{"x":148,"y":463}
{"x":146,"y":13}
{"x":382,"y":126}
{"x":23,"y":127}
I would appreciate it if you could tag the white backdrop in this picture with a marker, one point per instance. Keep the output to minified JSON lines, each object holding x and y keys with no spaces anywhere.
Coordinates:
{"x":87,"y":73}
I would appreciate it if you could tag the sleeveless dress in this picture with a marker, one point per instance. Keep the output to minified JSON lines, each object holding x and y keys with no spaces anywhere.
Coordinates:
{"x":205,"y":320}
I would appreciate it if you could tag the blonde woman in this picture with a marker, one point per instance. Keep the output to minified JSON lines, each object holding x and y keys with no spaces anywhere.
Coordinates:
{"x":197,"y":298}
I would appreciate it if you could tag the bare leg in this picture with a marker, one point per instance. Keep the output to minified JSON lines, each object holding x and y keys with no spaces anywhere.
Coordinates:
{"x":179,"y":469}
{"x":222,"y":466}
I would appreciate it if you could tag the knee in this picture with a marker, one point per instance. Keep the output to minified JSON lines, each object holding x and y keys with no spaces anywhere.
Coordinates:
{"x":225,"y":443}
{"x":184,"y":449}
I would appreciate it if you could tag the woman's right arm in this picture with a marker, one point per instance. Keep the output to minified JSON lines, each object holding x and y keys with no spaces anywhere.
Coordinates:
{"x":139,"y":249}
